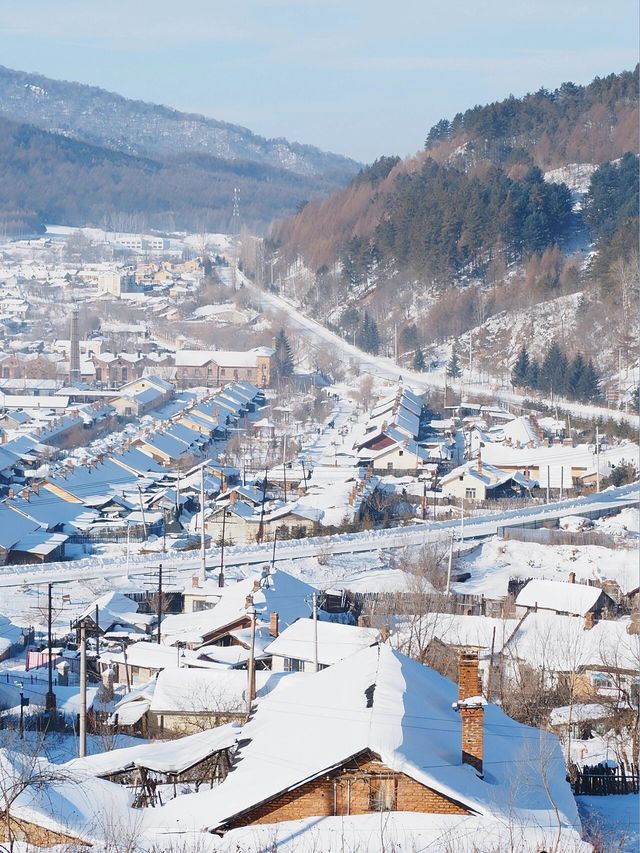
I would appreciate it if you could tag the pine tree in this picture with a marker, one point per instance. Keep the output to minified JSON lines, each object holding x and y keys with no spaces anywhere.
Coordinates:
{"x":283,"y":358}
{"x":418,"y":361}
{"x":520,"y":372}
{"x":453,"y":368}
{"x":553,"y":373}
{"x":589,"y":386}
{"x":533,"y":375}
{"x":576,"y":376}
{"x":368,"y":337}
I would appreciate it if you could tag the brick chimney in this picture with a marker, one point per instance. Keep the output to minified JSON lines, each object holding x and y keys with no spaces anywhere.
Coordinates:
{"x":233,"y":497}
{"x":248,"y":602}
{"x":589,"y":621}
{"x":195,"y":581}
{"x":572,"y":577}
{"x":274,"y":627}
{"x":470,"y":704}
{"x":256,"y":585}
{"x":35,"y":488}
{"x":363,"y":621}
{"x":301,"y":490}
{"x":25,"y":494}
{"x":479,"y":462}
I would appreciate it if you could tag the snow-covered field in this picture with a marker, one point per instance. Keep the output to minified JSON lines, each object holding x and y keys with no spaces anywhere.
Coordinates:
{"x":494,"y":562}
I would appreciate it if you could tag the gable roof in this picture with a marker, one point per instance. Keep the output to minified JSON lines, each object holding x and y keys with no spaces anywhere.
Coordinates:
{"x":380,"y":700}
{"x":576,"y":599}
{"x":335,"y":641}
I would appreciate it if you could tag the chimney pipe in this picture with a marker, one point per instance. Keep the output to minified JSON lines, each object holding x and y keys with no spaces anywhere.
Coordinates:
{"x":572,"y":577}
{"x":274,"y":626}
{"x":471,"y":704}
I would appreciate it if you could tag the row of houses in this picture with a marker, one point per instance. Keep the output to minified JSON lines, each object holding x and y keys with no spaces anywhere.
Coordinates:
{"x":133,"y":491}
{"x":394,"y":441}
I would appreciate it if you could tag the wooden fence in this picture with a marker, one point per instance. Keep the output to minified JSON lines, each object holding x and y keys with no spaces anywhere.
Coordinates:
{"x":600,"y":780}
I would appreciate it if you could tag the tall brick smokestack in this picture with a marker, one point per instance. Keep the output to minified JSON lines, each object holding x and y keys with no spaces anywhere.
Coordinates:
{"x":471,"y":704}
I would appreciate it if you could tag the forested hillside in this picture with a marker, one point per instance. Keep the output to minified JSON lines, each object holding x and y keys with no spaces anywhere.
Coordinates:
{"x":46,"y":177}
{"x":474,"y":229}
{"x":573,"y":124}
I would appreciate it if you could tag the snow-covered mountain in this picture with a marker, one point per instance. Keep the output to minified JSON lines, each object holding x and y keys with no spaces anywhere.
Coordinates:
{"x":133,"y":127}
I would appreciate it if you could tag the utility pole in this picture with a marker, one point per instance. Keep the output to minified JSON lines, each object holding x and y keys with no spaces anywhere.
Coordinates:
{"x":126,"y":666}
{"x":50,"y":699}
{"x":450,"y":565}
{"x":144,"y":523}
{"x":284,"y":464}
{"x":424,"y":501}
{"x":24,"y":703}
{"x":597,"y":459}
{"x":461,"y":521}
{"x":82,"y":745}
{"x":224,"y":525}
{"x":260,"y":535}
{"x":548,"y":483}
{"x":203,"y":552}
{"x":159,"y":608}
{"x":273,"y":552}
{"x":251,"y":669}
{"x":97,"y":630}
{"x":315,"y":632}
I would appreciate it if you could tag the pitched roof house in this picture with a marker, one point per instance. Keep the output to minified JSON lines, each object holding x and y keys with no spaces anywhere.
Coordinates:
{"x":378,"y":732}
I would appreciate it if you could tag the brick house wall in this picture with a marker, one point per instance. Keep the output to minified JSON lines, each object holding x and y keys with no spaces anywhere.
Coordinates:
{"x":350,"y":790}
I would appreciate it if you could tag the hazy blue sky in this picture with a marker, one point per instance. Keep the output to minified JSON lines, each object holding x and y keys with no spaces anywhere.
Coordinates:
{"x":360,"y":77}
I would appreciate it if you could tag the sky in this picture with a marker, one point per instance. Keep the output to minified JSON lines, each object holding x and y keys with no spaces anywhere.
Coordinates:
{"x":358,"y":77}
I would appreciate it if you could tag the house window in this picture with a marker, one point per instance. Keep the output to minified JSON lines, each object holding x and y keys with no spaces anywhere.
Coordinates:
{"x":293,"y":665}
{"x":470,"y":493}
{"x":401,"y":453}
{"x":389,"y":466}
{"x":382,"y":794}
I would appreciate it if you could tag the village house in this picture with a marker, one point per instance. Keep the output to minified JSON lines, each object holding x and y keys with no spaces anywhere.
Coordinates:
{"x":566,"y":599}
{"x":201,"y":759}
{"x":186,"y":701}
{"x":479,"y":481}
{"x":277,"y":598}
{"x":215,"y":367}
{"x":593,"y":656}
{"x":358,"y":739}
{"x":294,"y":650}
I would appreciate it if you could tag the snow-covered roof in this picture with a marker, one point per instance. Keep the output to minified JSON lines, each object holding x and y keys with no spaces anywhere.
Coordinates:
{"x":72,"y":803}
{"x":382,"y":701}
{"x":172,"y":756}
{"x":116,"y":608}
{"x":576,"y":599}
{"x":579,"y":713}
{"x":279,"y":593}
{"x":197,"y":691}
{"x":335,"y":641}
{"x":521,"y":429}
{"x":490,"y":476}
{"x":561,"y":643}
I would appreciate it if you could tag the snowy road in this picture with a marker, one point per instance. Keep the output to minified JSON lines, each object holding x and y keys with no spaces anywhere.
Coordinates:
{"x":385,"y":368}
{"x":348,"y":543}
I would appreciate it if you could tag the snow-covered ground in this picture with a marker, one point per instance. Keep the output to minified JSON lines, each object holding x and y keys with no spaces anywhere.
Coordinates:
{"x":613,"y":821}
{"x":385,"y":368}
{"x":494,"y":562}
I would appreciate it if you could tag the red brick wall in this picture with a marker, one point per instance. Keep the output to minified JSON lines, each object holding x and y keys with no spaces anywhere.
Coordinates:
{"x":346,"y":791}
